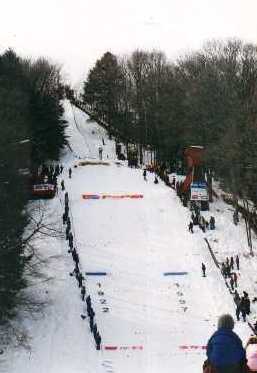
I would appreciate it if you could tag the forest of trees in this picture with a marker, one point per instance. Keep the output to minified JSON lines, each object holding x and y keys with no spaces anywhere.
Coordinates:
{"x":207,"y":98}
{"x":32,"y":132}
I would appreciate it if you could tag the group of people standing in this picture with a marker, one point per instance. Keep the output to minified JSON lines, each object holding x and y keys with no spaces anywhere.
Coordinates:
{"x":156,"y":181}
{"x":228,"y":272}
{"x":198,"y":219}
{"x":92,"y":324}
{"x":78,"y":274}
{"x":243,"y":305}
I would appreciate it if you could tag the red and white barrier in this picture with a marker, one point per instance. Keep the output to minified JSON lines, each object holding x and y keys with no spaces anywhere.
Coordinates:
{"x":111,"y":196}
{"x":192,"y":347}
{"x":115,"y":348}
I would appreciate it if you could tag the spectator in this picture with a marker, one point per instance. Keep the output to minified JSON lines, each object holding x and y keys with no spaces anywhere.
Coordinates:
{"x":237,"y":262}
{"x":243,"y":308}
{"x":62,"y":185}
{"x":236,"y":217}
{"x":212,"y":223}
{"x":203,"y":269}
{"x":231,"y":263}
{"x":64,"y":218}
{"x":251,"y":354}
{"x":100,"y":151}
{"x":247,"y":303}
{"x":235,"y":279}
{"x":224,"y":350}
{"x":232,"y":283}
{"x":83,"y":292}
{"x":190,"y":227}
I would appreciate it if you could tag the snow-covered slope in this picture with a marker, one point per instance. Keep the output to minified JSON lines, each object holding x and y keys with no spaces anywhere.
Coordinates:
{"x":154,"y":323}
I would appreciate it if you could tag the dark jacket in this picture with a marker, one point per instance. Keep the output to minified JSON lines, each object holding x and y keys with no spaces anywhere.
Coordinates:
{"x":225,"y":350}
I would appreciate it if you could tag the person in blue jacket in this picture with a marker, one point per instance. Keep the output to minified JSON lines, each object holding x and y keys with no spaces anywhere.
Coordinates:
{"x":224,"y":350}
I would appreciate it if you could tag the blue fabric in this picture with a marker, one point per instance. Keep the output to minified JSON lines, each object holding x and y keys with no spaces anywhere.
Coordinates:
{"x":225,"y":348}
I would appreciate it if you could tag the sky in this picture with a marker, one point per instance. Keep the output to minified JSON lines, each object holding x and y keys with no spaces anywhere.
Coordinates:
{"x":75,"y":33}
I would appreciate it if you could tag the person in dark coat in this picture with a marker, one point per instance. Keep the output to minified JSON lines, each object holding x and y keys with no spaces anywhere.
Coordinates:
{"x":70,"y":172}
{"x":242,"y":308}
{"x":67,"y":233}
{"x":237,"y":298}
{"x":247,"y":303}
{"x":237,"y":262}
{"x":203,"y":269}
{"x":91,"y":324}
{"x":225,"y":351}
{"x":238,"y":310}
{"x":66,"y":198}
{"x":88,"y":300}
{"x":89,"y":309}
{"x":98,"y":341}
{"x":232,"y":282}
{"x":61,"y":168}
{"x":94,"y":329}
{"x":68,"y":223}
{"x":62,"y":185}
{"x":231,"y":263}
{"x":228,"y":270}
{"x":237,"y":301}
{"x":144,"y":174}
{"x":83,"y":292}
{"x":91,"y":312}
{"x":80,"y":279}
{"x":212,"y":223}
{"x":75,"y":256}
{"x":70,"y":240}
{"x":190,"y":227}
{"x":236,"y":217}
{"x":195,"y":220}
{"x":66,"y":210}
{"x":64,"y":218}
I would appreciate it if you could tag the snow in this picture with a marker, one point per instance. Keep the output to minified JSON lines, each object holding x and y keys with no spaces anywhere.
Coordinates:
{"x":135,"y":241}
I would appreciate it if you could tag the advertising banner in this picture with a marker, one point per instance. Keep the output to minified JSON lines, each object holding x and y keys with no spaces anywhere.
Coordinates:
{"x":199,"y":192}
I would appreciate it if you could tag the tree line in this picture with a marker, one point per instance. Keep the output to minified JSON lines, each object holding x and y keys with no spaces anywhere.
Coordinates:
{"x":206,"y":97}
{"x":32,"y":132}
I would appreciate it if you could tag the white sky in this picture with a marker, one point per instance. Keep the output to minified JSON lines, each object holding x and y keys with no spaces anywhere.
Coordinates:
{"x":76,"y":33}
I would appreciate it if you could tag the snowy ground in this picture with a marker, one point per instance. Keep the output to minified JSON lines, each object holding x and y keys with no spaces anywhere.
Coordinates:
{"x":158,"y":323}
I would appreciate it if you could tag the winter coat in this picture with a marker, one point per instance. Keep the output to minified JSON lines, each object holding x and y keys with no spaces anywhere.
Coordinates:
{"x":235,"y":368}
{"x":251,"y":355}
{"x":225,"y":349}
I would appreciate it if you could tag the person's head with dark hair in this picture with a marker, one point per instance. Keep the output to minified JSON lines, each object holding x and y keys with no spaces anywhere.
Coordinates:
{"x":226,"y":321}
